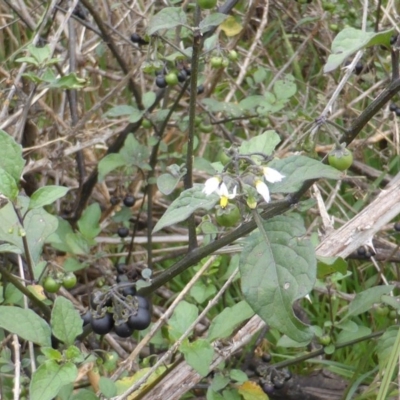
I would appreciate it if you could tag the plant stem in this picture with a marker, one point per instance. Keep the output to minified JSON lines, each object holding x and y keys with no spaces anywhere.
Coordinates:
{"x":15,"y":281}
{"x":197,"y":43}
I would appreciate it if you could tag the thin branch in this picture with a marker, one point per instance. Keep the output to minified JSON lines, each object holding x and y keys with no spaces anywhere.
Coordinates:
{"x":135,"y":89}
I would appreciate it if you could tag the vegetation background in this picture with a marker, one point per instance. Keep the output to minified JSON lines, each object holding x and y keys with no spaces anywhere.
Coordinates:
{"x":111,"y":111}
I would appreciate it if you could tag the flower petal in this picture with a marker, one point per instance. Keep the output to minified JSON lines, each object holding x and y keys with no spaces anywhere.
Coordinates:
{"x":272,"y":175}
{"x":262,"y":188}
{"x":211,"y":185}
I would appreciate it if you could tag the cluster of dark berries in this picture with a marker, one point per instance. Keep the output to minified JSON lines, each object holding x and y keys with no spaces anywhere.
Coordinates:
{"x":172,"y":78}
{"x":365,"y":252}
{"x":275,"y":380}
{"x":271,"y":379}
{"x":118,"y":308}
{"x":129,"y":201}
{"x":393,"y":107}
{"x":136,"y":38}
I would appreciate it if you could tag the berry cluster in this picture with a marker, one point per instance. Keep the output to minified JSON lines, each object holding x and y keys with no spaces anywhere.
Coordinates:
{"x":172,"y":78}
{"x":53,"y":282}
{"x":118,"y":308}
{"x":393,"y":107}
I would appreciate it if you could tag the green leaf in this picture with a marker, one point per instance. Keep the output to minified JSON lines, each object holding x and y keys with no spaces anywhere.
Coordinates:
{"x":278,"y":266}
{"x":47,"y":195}
{"x":185,"y":205}
{"x":298,"y":169}
{"x":119,"y":111}
{"x":107,"y":387}
{"x":65,"y":321}
{"x":346,"y":335}
{"x":366,"y":299}
{"x":69,"y":81}
{"x":51,"y":354}
{"x":167,"y":18}
{"x":108,"y":163}
{"x":166,"y":183}
{"x":89,"y":223}
{"x":135,"y":154}
{"x":201,"y":292}
{"x":329,"y":265}
{"x":238,"y":376}
{"x":38,"y":226}
{"x":49,"y":378}
{"x":26,"y":324}
{"x":9,"y":248}
{"x":385,"y":345}
{"x":29,"y":60}
{"x":198,"y":355}
{"x":8,"y":185}
{"x":392,"y":301}
{"x":41,"y":54}
{"x":250,"y":103}
{"x":228,"y":320}
{"x":84,"y":394}
{"x":350,"y":40}
{"x":264,"y":143}
{"x":229,"y":109}
{"x":11,"y":156}
{"x":77,"y":243}
{"x":219,"y":382}
{"x":286,"y":88}
{"x":148,"y":99}
{"x":212,"y":20}
{"x":184,"y":315}
{"x":136,"y":115}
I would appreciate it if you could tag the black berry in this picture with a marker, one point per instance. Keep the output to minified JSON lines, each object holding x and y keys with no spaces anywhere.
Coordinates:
{"x":128,"y":291}
{"x":129,"y":201}
{"x":278,"y":385}
{"x":143,"y":302}
{"x":397,"y":226}
{"x":123,"y":330}
{"x":86,"y":318}
{"x":200,"y":89}
{"x":397,"y":111}
{"x":161,"y":82}
{"x":266,"y":357}
{"x":393,"y":107}
{"x":141,"y":320}
{"x":114,"y":201}
{"x":182,"y":75}
{"x":361,"y":251}
{"x":122,"y":278}
{"x":268,"y":388}
{"x":121,"y":268}
{"x":393,"y":39}
{"x":188,"y":70}
{"x":136,"y":38}
{"x":358,"y":68}
{"x":123,"y":232}
{"x":102,"y":325}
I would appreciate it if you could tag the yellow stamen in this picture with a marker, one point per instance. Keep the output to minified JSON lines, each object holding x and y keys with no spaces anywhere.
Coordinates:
{"x":223,"y":202}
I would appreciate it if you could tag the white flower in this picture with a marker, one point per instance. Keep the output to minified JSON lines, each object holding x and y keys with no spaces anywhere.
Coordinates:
{"x":211,"y":185}
{"x":225,"y":195}
{"x":272,"y":175}
{"x":262,"y":188}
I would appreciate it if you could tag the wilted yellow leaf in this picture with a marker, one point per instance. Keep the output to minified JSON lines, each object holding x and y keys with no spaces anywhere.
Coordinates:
{"x":37,"y":290}
{"x":125,"y":383}
{"x":231,"y":27}
{"x":251,"y":391}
